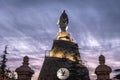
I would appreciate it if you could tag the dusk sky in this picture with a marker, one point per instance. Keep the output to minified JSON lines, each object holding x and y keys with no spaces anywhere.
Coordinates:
{"x":29,"y":27}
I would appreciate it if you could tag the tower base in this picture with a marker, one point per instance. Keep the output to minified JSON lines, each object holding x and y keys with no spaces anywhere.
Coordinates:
{"x":52,"y":64}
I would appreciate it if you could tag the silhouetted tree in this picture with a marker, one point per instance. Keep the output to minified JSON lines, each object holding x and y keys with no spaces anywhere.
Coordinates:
{"x":3,"y":65}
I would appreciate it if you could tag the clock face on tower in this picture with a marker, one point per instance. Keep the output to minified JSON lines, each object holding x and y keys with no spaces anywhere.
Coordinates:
{"x":63,"y":73}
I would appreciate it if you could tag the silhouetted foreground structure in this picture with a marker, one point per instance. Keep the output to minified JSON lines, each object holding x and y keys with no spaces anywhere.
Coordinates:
{"x":103,"y":71}
{"x":24,"y":72}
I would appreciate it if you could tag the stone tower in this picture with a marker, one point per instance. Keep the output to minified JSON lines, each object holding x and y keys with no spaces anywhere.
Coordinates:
{"x":64,"y":54}
{"x":25,"y":72}
{"x":103,"y":71}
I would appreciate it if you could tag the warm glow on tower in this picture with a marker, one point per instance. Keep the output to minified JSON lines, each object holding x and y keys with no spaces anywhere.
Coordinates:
{"x":62,"y":55}
{"x":64,"y":46}
{"x":64,"y":36}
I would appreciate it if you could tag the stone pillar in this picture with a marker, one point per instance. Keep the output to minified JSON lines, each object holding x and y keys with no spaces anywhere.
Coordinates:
{"x":25,"y":72}
{"x":103,"y":71}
